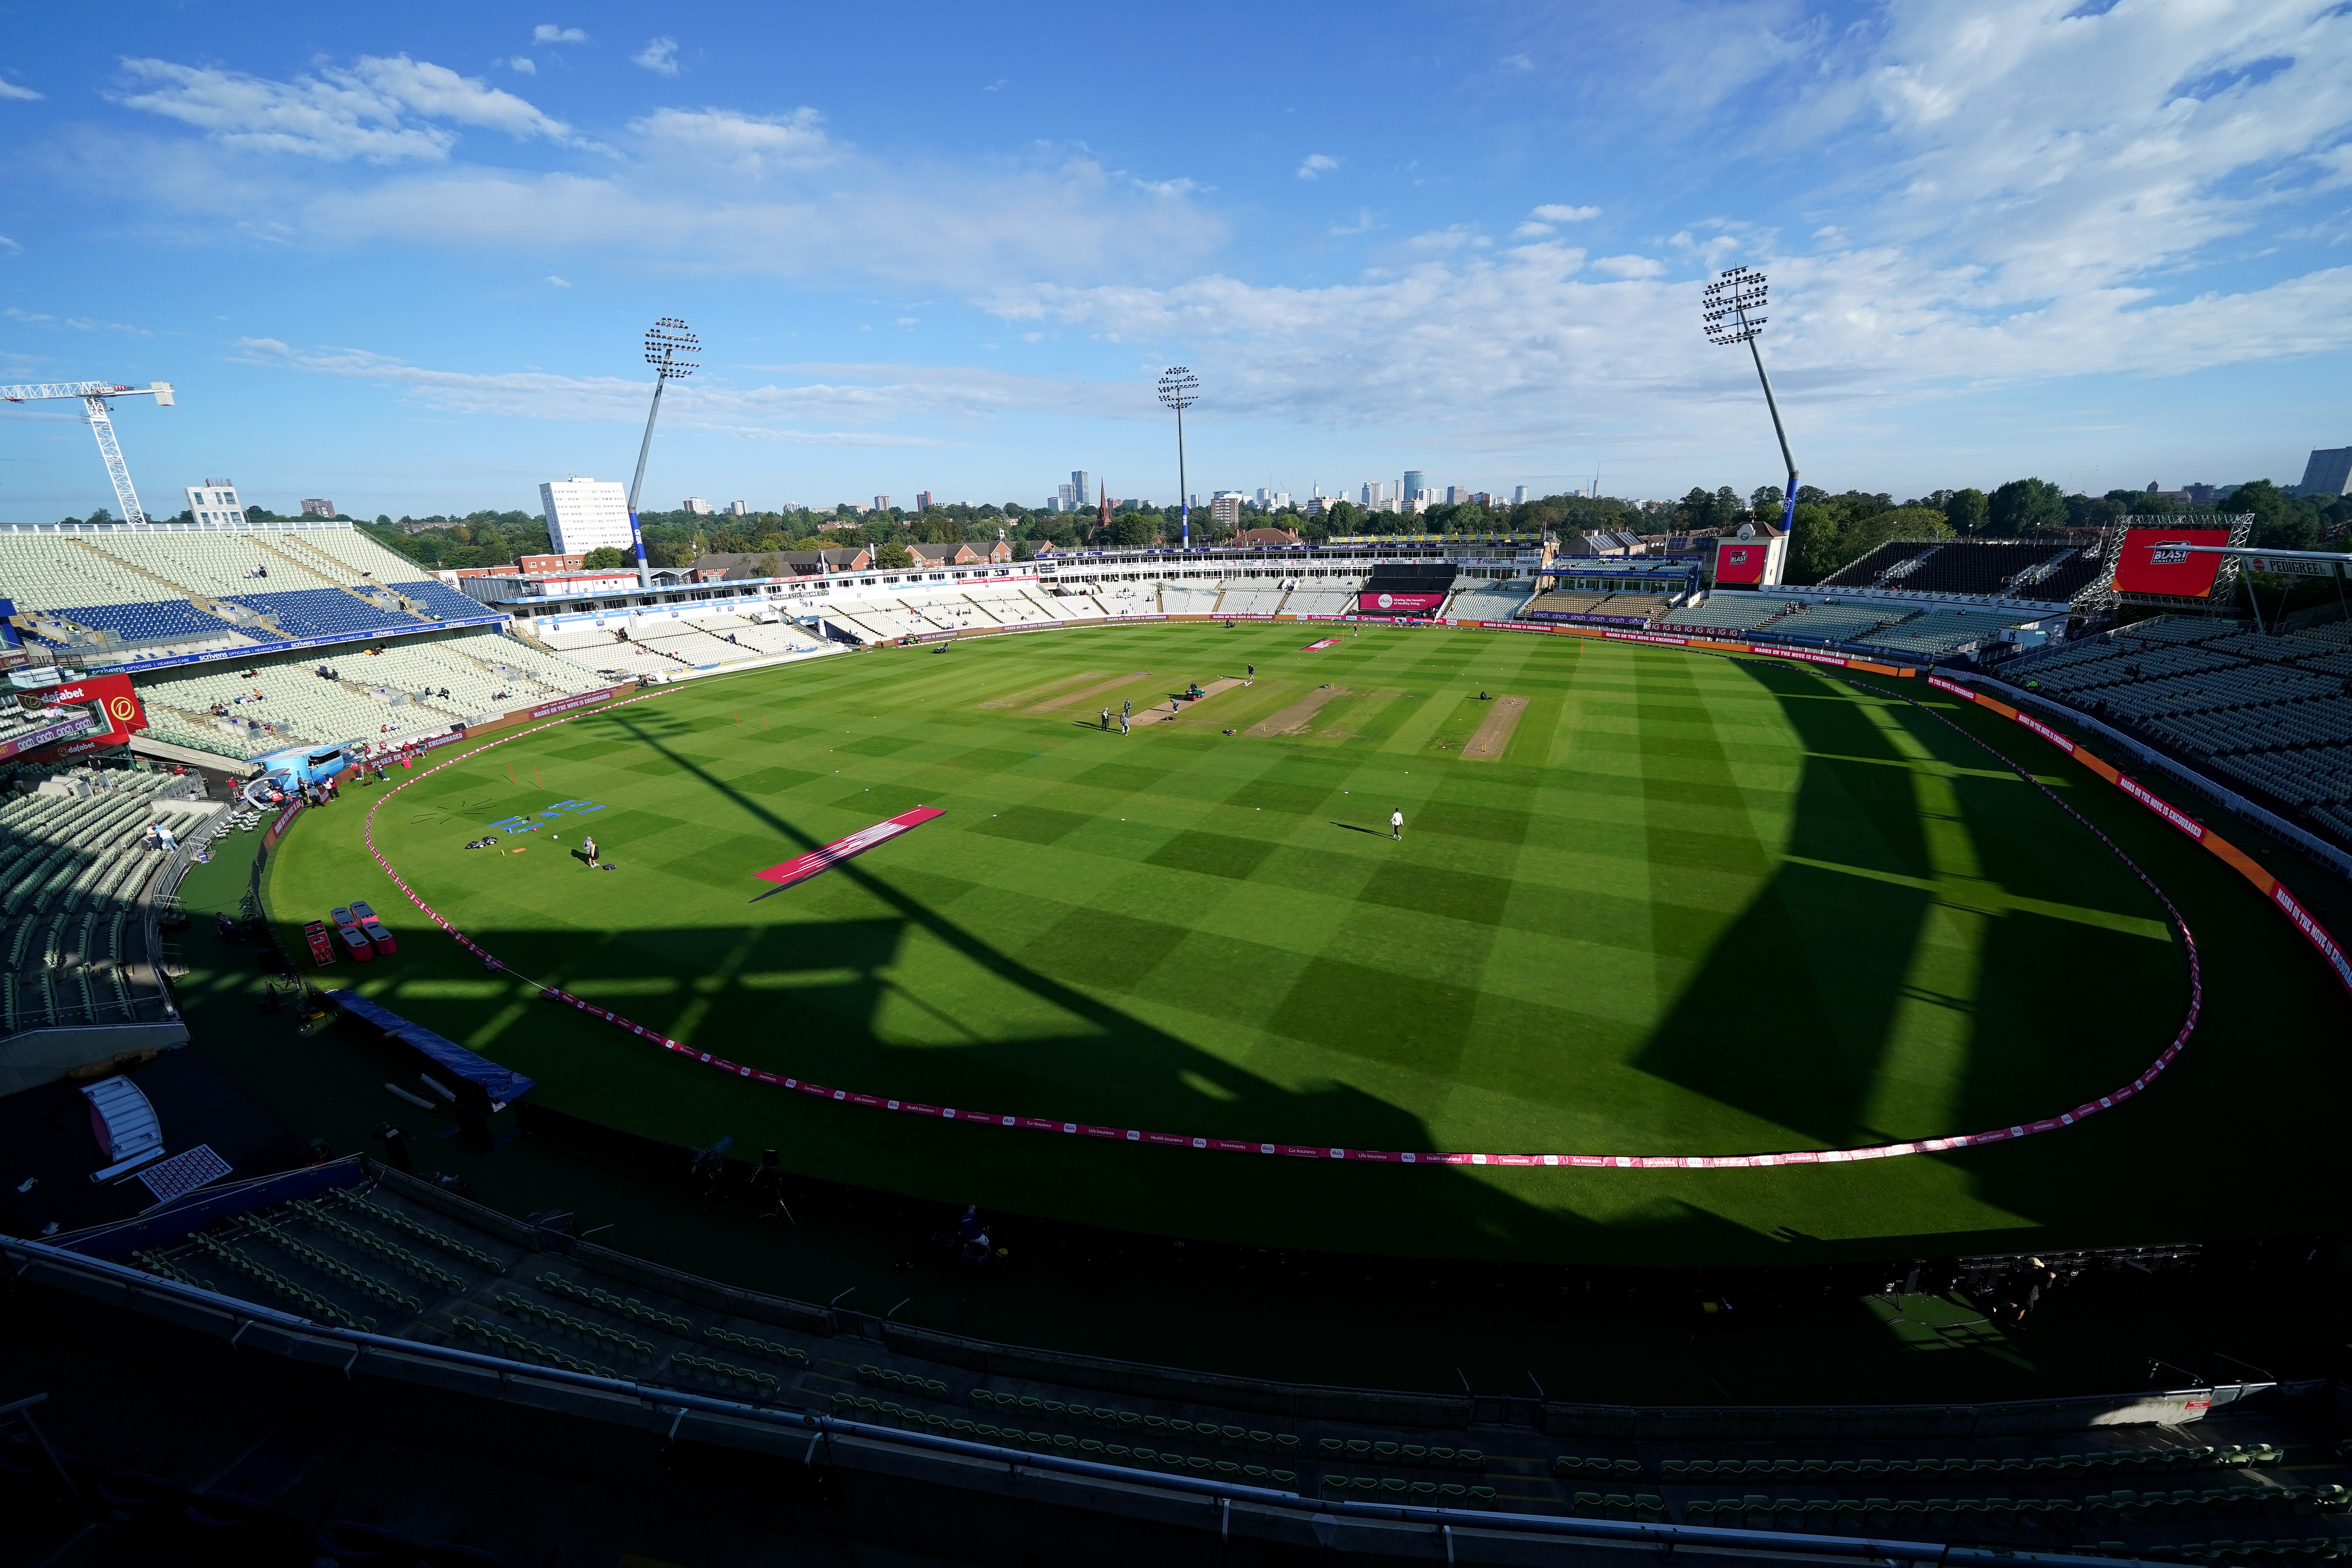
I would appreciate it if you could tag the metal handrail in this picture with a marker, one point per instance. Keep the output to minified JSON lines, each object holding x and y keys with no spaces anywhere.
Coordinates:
{"x":1665,"y":1537}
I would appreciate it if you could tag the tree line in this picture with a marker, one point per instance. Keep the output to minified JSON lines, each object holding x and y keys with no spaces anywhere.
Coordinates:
{"x":1831,"y":529}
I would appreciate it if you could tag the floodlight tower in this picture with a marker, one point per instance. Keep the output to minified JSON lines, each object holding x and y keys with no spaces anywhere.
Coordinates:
{"x":667,"y":345}
{"x":1726,"y":313}
{"x":1180,"y":389}
{"x":93,"y":394}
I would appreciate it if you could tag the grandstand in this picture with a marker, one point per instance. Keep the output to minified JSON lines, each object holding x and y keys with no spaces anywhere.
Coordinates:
{"x":73,"y":866}
{"x":524,"y":1326}
{"x":389,"y":692}
{"x":1728,"y":613}
{"x":130,"y":596}
{"x":2055,"y":570}
{"x":1476,"y":600}
{"x":2269,"y":713}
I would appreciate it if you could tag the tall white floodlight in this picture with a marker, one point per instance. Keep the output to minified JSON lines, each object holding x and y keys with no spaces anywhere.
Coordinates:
{"x":667,"y":345}
{"x":1728,"y":314}
{"x":93,"y":394}
{"x":1180,"y":389}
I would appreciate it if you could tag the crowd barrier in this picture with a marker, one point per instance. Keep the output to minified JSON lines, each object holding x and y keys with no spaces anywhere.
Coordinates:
{"x":1140,"y":1136}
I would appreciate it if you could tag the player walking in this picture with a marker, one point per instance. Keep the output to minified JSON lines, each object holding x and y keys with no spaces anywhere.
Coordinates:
{"x":1396,"y":826}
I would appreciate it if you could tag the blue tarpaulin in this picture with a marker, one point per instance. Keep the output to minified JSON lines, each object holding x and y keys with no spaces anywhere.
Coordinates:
{"x":502,"y":1085}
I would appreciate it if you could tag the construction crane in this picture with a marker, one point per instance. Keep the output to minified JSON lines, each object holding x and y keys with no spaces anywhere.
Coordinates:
{"x":94,"y":395}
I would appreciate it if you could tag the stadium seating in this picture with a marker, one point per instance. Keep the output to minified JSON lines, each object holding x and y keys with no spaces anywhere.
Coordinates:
{"x":72,"y":865}
{"x":1478,"y":601}
{"x":1836,"y":621}
{"x":390,"y":693}
{"x":1730,"y":612}
{"x":2266,"y":712}
{"x":1941,"y":632}
{"x":162,"y":590}
{"x":2051,"y":569}
{"x":386,"y":1258}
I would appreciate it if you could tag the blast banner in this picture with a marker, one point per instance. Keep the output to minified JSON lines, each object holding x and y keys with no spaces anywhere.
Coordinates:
{"x":2155,"y":561}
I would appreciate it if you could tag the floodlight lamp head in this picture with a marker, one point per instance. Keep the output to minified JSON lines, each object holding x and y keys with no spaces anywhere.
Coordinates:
{"x":1179,"y":387}
{"x":1727,"y":311}
{"x":668,"y":346}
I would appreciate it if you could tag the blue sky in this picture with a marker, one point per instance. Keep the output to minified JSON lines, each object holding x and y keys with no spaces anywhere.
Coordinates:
{"x":400,"y":257}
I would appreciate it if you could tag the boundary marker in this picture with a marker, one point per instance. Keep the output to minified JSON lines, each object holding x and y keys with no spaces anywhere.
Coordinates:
{"x":2312,"y":929}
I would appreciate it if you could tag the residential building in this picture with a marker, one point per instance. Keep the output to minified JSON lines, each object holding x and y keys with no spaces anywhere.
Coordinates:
{"x":881,"y":503}
{"x":584,"y":514}
{"x":1416,"y":484}
{"x":1080,"y":488}
{"x":739,"y":509}
{"x":696,"y":505}
{"x":214,"y":504}
{"x":1265,"y":536}
{"x":2327,"y":473}
{"x":922,"y":500}
{"x":1519,"y":495}
{"x":539,"y":565}
{"x":1226,"y":509}
{"x":317,"y":508}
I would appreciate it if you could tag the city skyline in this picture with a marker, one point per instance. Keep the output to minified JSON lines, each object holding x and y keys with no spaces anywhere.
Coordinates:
{"x":404,"y":262}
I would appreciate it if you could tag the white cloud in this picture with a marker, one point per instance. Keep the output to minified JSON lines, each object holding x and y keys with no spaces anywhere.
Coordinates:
{"x":1317,"y":164}
{"x":1553,"y":212}
{"x":1524,"y":346}
{"x":659,"y":56}
{"x":1519,"y":62}
{"x":744,"y":146}
{"x":559,"y":282}
{"x":831,"y":405}
{"x":1628,"y":265}
{"x":361,"y":111}
{"x":1453,"y":236}
{"x":75,"y":323}
{"x":524,"y":65}
{"x":549,"y":33}
{"x":2061,"y":152}
{"x":10,"y":90}
{"x":1533,"y":231}
{"x":1364,"y":222}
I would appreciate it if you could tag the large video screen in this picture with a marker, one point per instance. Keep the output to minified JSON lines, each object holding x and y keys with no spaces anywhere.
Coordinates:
{"x":2155,"y":561}
{"x":1381,"y":601}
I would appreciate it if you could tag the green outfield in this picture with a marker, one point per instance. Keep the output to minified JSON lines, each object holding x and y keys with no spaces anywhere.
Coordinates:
{"x":1646,"y":902}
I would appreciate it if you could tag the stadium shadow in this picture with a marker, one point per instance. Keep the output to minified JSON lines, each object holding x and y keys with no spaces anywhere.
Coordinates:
{"x":1085,"y":1058}
{"x":1806,"y":1053}
{"x":1858,"y":885}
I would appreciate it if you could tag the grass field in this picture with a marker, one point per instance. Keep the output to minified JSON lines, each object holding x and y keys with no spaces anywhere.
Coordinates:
{"x":1664,"y":904}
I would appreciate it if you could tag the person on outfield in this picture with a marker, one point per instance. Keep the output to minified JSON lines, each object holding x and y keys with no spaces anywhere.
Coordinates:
{"x":1396,"y":824}
{"x":1105,"y":721}
{"x":1123,"y":723}
{"x":1249,"y":672}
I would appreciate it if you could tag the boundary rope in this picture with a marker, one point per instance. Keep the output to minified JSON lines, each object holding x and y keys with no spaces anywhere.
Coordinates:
{"x":1322,"y":1152}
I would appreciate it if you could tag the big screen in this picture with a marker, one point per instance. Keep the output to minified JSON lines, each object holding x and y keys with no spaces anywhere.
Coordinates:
{"x":2153,"y":561}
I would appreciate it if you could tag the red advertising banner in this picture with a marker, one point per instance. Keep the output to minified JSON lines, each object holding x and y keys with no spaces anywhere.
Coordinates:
{"x":1740,"y":560}
{"x":2153,"y":561}
{"x":75,"y":717}
{"x":799,"y":869}
{"x":1385,"y":604}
